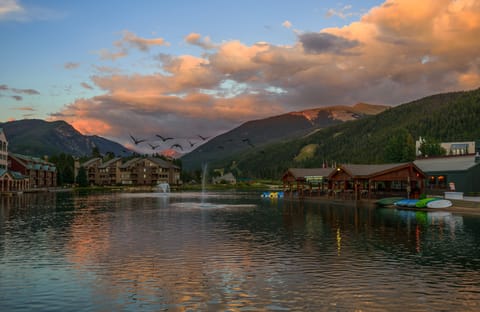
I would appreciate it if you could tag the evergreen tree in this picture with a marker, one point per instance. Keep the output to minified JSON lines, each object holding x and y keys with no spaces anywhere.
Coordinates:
{"x":400,"y":147}
{"x":82,"y":180}
{"x":431,"y":147}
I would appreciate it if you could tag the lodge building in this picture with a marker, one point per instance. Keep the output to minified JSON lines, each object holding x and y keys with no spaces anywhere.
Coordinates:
{"x":136,"y":171}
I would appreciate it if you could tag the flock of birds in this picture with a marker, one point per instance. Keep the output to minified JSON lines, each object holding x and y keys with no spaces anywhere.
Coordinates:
{"x":164,"y":139}
{"x":178,"y":146}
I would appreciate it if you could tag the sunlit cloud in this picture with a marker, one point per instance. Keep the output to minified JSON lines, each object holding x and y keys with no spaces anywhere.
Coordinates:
{"x":397,"y":52}
{"x":130,"y":41}
{"x":24,"y":108}
{"x":343,"y":12}
{"x":287,"y":24}
{"x":196,"y":39}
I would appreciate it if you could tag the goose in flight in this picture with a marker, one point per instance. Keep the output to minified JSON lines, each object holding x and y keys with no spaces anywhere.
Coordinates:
{"x":136,"y":141}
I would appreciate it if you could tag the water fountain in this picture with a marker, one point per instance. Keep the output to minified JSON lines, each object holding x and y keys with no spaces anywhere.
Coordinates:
{"x":204,"y":181}
{"x":164,"y":187}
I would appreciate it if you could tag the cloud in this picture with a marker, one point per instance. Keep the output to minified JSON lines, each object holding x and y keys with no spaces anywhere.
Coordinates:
{"x":17,"y":97}
{"x":4,"y":87}
{"x":130,"y":41}
{"x":343,"y":12}
{"x":397,"y":52}
{"x":71,"y":65}
{"x":86,"y":86}
{"x":25,"y":108}
{"x":195,"y":39}
{"x":287,"y":24}
{"x":325,"y":43}
{"x":12,"y":10}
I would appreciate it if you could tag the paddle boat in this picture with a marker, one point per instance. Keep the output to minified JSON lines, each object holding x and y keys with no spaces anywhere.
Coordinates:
{"x":279,"y":194}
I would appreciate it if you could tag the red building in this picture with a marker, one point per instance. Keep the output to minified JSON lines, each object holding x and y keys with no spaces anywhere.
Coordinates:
{"x":41,"y":173}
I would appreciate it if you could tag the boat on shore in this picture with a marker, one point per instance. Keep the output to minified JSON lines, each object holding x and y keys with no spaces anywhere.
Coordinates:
{"x":388,"y":201}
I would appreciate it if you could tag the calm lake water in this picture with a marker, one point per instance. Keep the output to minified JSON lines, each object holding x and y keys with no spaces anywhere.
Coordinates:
{"x":231,"y":252}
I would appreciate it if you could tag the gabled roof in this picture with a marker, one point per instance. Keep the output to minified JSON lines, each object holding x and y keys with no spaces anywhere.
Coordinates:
{"x":163,"y":163}
{"x":14,"y":174}
{"x":131,"y":162}
{"x":451,"y":163}
{"x":309,"y":172}
{"x":91,"y":161}
{"x":368,"y":170}
{"x":111,"y":161}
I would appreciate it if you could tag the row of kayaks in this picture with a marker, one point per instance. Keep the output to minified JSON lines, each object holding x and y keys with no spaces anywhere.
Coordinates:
{"x":429,"y":202}
{"x":272,"y":194}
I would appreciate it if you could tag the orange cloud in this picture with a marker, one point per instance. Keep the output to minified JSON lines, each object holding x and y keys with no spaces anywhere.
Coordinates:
{"x":399,"y":51}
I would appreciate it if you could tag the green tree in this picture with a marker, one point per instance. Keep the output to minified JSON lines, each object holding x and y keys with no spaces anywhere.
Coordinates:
{"x":82,"y":180}
{"x":400,"y":147}
{"x":64,"y":164}
{"x":96,"y":152}
{"x":431,"y":147}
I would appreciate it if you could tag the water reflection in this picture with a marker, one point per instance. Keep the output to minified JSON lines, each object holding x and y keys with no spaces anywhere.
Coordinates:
{"x":231,"y":251}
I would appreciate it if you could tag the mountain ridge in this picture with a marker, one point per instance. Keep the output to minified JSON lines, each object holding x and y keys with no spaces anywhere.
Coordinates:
{"x":37,"y":137}
{"x":274,"y":129}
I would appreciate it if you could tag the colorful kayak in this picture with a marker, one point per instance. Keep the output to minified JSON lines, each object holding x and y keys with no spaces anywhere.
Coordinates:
{"x":387,"y":201}
{"x":440,"y":203}
{"x":406,"y":203}
{"x":422,"y":203}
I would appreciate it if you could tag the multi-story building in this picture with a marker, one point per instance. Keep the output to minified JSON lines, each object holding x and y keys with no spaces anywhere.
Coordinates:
{"x":136,"y":171}
{"x":42,"y":174}
{"x":149,"y":171}
{"x":109,"y":172}
{"x":91,"y":167}
{"x":3,"y":151}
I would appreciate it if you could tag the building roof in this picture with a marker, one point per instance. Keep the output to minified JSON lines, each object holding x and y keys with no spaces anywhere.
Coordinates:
{"x":452,"y":163}
{"x":111,"y":161}
{"x":310,"y":172}
{"x":32,"y":162}
{"x":367,"y":170}
{"x":91,"y":161}
{"x":163,"y":163}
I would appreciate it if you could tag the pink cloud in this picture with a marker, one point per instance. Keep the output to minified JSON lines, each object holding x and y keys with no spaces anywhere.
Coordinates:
{"x":397,"y":52}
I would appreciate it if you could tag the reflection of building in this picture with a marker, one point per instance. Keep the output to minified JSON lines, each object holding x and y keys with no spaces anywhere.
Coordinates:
{"x":463,"y":171}
{"x":136,"y":171}
{"x":40,"y":172}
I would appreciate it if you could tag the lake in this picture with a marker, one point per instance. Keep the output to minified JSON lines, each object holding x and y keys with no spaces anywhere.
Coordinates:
{"x":231,"y":251}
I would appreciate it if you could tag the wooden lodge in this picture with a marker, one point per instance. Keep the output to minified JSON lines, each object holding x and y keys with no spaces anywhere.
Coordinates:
{"x":306,"y":181}
{"x":356,"y":181}
{"x":376,"y":181}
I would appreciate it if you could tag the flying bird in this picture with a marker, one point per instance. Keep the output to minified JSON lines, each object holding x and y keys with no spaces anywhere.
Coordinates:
{"x":177,"y":146}
{"x":191,"y":143}
{"x":203,"y":138}
{"x":137,"y":141}
{"x":153,"y":146}
{"x":164,"y":139}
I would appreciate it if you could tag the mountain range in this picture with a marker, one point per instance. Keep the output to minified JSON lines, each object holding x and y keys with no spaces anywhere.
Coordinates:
{"x":266,"y":147}
{"x":261,"y":132}
{"x":36,"y":137}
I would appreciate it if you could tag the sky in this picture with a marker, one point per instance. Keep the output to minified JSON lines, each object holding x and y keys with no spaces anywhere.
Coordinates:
{"x":186,"y":68}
